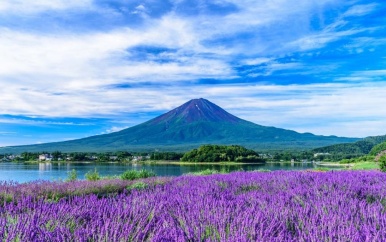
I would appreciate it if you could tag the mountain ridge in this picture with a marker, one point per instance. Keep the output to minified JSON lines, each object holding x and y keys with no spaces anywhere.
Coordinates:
{"x":358,"y":148}
{"x":194,"y":123}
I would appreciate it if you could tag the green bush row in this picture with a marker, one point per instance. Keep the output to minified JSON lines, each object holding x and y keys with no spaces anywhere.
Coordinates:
{"x":127,"y":175}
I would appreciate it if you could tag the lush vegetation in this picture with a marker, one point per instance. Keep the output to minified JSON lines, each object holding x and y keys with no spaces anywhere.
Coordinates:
{"x":378,"y":149}
{"x":242,"y":206}
{"x":369,"y":165}
{"x":166,"y":156}
{"x":132,"y":174}
{"x":382,"y":163}
{"x":365,"y":158}
{"x":352,"y":150}
{"x":92,"y":175}
{"x":118,"y":156}
{"x":221,"y":153}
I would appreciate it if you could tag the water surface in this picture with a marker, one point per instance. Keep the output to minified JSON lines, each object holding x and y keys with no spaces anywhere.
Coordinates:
{"x":53,"y":171}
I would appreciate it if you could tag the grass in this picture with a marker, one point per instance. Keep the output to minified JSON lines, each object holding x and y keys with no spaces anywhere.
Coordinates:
{"x":365,"y":166}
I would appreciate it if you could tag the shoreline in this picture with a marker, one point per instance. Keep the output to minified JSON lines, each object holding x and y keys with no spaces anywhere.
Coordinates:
{"x":149,"y":162}
{"x":335,"y":164}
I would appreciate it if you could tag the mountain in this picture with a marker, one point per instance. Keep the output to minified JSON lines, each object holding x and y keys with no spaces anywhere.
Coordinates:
{"x":358,"y":148}
{"x":194,"y":123}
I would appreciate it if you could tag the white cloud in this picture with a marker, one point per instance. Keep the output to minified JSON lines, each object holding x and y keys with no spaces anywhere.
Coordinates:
{"x":320,"y":40}
{"x":26,"y":6}
{"x":257,"y":61}
{"x":359,"y":10}
{"x":37,"y":122}
{"x":7,"y":133}
{"x":371,"y":73}
{"x":35,"y":67}
{"x":71,"y":74}
{"x":115,"y":129}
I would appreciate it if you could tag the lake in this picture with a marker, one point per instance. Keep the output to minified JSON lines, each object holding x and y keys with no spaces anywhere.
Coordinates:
{"x":52,"y":171}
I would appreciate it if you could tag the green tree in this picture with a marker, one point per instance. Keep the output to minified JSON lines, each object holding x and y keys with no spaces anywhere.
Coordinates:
{"x":382,"y":163}
{"x":219,"y":153}
{"x":56,"y":155}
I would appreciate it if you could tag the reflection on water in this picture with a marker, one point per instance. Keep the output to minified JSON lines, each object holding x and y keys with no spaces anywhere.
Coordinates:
{"x":45,"y":166}
{"x":55,"y":171}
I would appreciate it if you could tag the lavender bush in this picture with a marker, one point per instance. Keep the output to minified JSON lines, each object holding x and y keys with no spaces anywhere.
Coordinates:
{"x":242,"y":206}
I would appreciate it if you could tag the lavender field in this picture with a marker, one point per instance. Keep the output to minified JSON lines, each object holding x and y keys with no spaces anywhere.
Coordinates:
{"x":240,"y":206}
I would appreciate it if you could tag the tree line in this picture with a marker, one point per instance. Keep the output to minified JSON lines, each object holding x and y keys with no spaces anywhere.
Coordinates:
{"x":222,"y":153}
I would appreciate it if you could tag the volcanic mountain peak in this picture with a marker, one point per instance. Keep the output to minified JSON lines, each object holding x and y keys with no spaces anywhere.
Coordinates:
{"x":196,"y":110}
{"x":189,"y":125}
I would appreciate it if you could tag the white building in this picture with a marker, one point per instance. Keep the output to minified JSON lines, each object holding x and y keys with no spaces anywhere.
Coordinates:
{"x":45,"y":157}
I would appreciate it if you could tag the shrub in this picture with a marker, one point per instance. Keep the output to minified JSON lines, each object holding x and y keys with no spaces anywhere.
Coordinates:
{"x":72,"y":175}
{"x":382,"y":163}
{"x":145,"y":173}
{"x":132,"y":174}
{"x":92,"y":175}
{"x":129,"y":175}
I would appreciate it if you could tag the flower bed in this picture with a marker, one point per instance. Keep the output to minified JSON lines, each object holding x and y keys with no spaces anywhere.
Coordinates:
{"x":240,"y":206}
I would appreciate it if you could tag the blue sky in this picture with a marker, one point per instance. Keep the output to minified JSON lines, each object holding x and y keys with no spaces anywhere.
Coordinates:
{"x":74,"y":68}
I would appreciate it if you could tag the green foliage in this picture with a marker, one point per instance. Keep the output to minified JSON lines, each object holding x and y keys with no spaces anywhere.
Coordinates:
{"x":166,"y":156}
{"x":262,"y":170}
{"x":81,"y":156}
{"x":382,"y":163}
{"x":376,"y":139}
{"x":72,"y":175}
{"x":56,"y":155}
{"x":204,"y":172}
{"x":366,"y":162}
{"x":359,"y":147}
{"x":28,"y":156}
{"x":6,"y":198}
{"x":378,"y":148}
{"x":92,"y":175}
{"x":132,"y":174}
{"x":365,"y":158}
{"x":371,"y":145}
{"x":138,"y":186}
{"x":365,"y":166}
{"x":223,"y":170}
{"x":221,"y":153}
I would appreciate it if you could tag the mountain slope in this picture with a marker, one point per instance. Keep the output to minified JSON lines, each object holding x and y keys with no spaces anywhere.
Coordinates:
{"x":361,"y":147}
{"x":193,"y":123}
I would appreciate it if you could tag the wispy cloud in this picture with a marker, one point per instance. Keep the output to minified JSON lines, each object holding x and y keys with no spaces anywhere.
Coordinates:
{"x":36,"y":122}
{"x":21,"y":6}
{"x":114,"y":129}
{"x":270,"y":62}
{"x":7,"y":133}
{"x":360,"y":10}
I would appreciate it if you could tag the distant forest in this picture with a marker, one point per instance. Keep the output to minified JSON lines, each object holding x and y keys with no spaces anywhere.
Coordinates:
{"x":222,"y":153}
{"x":216,"y":153}
{"x":352,"y":150}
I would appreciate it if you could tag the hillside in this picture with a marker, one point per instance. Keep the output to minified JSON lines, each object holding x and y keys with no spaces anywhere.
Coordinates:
{"x":361,"y":147}
{"x":188,"y":126}
{"x":378,"y":148}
